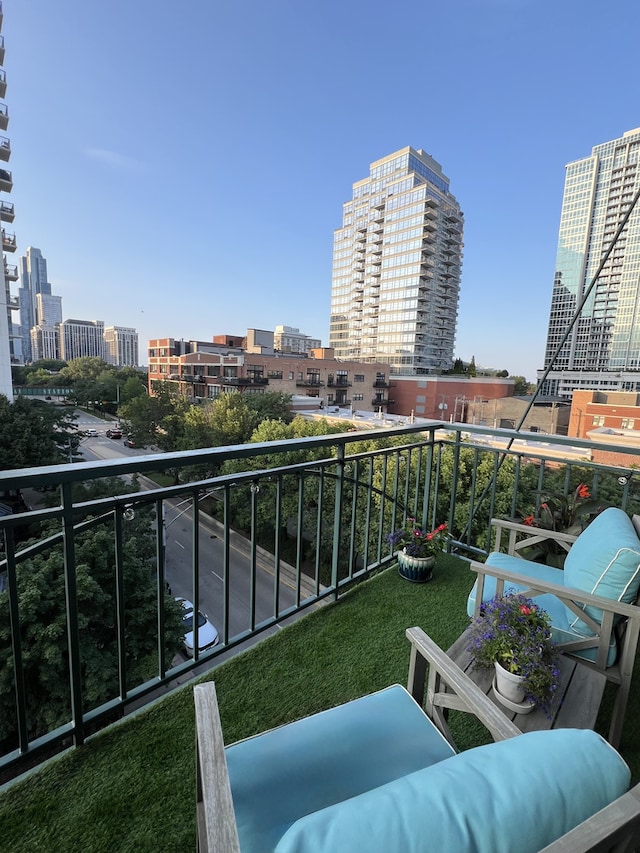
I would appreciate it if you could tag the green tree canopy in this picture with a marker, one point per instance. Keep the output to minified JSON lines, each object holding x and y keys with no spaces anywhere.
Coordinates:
{"x":41,"y":604}
{"x":34,"y":433}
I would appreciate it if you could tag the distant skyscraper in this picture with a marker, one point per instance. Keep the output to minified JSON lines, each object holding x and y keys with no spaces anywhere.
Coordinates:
{"x":396,"y":267}
{"x":121,"y":346}
{"x":9,"y":347}
{"x":80,"y":338}
{"x":33,"y":276}
{"x":602,"y":351}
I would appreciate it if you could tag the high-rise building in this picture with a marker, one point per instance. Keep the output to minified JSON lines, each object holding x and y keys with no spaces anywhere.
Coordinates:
{"x":396,"y":267}
{"x":80,"y":338}
{"x":602,"y":351}
{"x":34,"y":283}
{"x":121,"y":346}
{"x":291,"y":339}
{"x":10,"y":351}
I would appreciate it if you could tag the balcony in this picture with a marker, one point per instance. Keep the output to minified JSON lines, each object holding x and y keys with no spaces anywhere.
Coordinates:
{"x":244,"y":381}
{"x":5,"y":148}
{"x":309,"y":383}
{"x":385,"y":401}
{"x":9,"y":243}
{"x":3,"y":83}
{"x":4,"y":116}
{"x":1,"y":48}
{"x":7,"y":213}
{"x":338,"y":382}
{"x":10,"y":272}
{"x":148,"y":759}
{"x":6,"y":181}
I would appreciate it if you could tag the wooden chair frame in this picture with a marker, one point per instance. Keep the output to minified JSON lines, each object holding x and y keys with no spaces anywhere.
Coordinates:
{"x":615,"y":828}
{"x":626,"y":631}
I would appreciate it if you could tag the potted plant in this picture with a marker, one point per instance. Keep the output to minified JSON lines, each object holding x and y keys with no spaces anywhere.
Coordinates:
{"x":417,"y":549}
{"x":570,"y":513}
{"x":512,"y":637}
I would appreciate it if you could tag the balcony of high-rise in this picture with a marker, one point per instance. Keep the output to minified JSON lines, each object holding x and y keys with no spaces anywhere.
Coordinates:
{"x":263,"y":547}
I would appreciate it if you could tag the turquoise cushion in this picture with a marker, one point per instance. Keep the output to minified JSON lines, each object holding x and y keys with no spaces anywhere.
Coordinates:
{"x":604,"y":560}
{"x":281,"y":775}
{"x":516,"y":795}
{"x":563,"y":620}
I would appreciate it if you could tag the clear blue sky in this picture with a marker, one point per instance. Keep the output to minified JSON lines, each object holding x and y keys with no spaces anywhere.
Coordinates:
{"x":182,"y":165}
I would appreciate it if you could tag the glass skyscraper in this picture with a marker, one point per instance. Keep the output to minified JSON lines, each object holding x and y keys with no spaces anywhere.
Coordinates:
{"x":396,"y":267}
{"x":602,"y":351}
{"x":33,"y":275}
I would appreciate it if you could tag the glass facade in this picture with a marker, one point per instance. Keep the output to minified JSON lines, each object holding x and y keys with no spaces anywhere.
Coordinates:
{"x":597,"y":194}
{"x":396,"y":267}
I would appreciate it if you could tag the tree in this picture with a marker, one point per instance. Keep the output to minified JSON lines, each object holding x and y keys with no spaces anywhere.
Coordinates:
{"x":472,"y":366}
{"x":521,"y":386}
{"x":34,"y":433}
{"x":271,"y":406}
{"x":41,"y":603}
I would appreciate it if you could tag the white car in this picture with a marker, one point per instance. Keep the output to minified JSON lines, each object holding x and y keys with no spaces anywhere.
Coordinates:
{"x":207,"y":633}
{"x":92,"y":432}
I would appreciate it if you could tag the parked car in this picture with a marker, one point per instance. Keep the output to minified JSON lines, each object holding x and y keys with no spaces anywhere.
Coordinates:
{"x":129,"y":442}
{"x":114,"y":433}
{"x":207,"y":633}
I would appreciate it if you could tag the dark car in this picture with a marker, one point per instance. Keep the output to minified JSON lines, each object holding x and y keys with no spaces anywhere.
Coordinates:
{"x":114,"y":433}
{"x":129,"y":442}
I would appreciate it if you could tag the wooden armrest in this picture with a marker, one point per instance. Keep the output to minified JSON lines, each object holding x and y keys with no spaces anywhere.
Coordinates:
{"x":216,"y":820}
{"x":529,"y":536}
{"x":618,"y":608}
{"x":616,"y":827}
{"x":543,"y":532}
{"x":425,"y":651}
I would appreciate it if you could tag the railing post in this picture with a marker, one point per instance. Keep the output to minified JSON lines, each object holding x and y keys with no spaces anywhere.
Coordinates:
{"x":337,"y":519}
{"x":73,"y":633}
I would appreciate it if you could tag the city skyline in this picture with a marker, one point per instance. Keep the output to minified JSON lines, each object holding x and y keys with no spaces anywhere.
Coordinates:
{"x":190,"y":167}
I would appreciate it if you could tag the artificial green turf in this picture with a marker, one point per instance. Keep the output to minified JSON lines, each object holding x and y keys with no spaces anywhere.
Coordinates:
{"x":132,"y":788}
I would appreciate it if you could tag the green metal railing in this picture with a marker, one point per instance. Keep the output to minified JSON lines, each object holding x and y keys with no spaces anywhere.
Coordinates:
{"x":337,"y":496}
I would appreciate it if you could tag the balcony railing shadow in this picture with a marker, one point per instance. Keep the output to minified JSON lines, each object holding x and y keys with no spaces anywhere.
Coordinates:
{"x":336,"y":496}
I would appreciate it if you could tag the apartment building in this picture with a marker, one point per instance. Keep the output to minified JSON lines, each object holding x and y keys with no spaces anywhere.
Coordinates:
{"x":602,"y":350}
{"x":397,"y":262}
{"x":10,"y":344}
{"x":121,"y":346}
{"x":204,"y":370}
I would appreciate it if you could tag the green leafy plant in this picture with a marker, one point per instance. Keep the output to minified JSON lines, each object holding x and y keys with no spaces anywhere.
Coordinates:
{"x":516,"y":633}
{"x":566,"y":513}
{"x":415,"y":541}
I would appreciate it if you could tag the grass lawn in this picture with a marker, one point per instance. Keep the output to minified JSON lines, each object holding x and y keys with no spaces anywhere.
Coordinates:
{"x":133,"y":788}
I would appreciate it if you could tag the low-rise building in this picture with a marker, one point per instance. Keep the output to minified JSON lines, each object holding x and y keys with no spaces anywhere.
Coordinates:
{"x":203,"y":370}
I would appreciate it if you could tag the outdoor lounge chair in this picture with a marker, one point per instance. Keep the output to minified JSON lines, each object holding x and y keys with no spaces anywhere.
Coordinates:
{"x":593,"y":602}
{"x":380,"y":774}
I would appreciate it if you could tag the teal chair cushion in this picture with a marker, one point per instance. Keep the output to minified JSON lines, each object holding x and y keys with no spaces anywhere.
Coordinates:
{"x":281,"y":775}
{"x":604,"y":560}
{"x":516,"y":795}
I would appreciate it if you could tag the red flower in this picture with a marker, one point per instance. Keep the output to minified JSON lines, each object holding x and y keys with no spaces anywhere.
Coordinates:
{"x":530,"y":520}
{"x":582,"y":491}
{"x":526,"y":611}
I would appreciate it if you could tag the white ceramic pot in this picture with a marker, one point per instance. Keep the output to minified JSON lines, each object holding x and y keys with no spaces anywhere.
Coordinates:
{"x":509,"y":685}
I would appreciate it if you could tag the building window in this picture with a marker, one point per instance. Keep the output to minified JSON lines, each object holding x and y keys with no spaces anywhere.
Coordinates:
{"x":274,"y":374}
{"x":230,"y":372}
{"x":358,"y":377}
{"x":628,"y":423}
{"x":213,"y":391}
{"x":358,"y":398}
{"x":291,"y":375}
{"x":598,"y":420}
{"x":213,"y":370}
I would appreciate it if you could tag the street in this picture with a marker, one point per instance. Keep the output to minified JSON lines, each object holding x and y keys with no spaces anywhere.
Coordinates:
{"x":179,"y":550}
